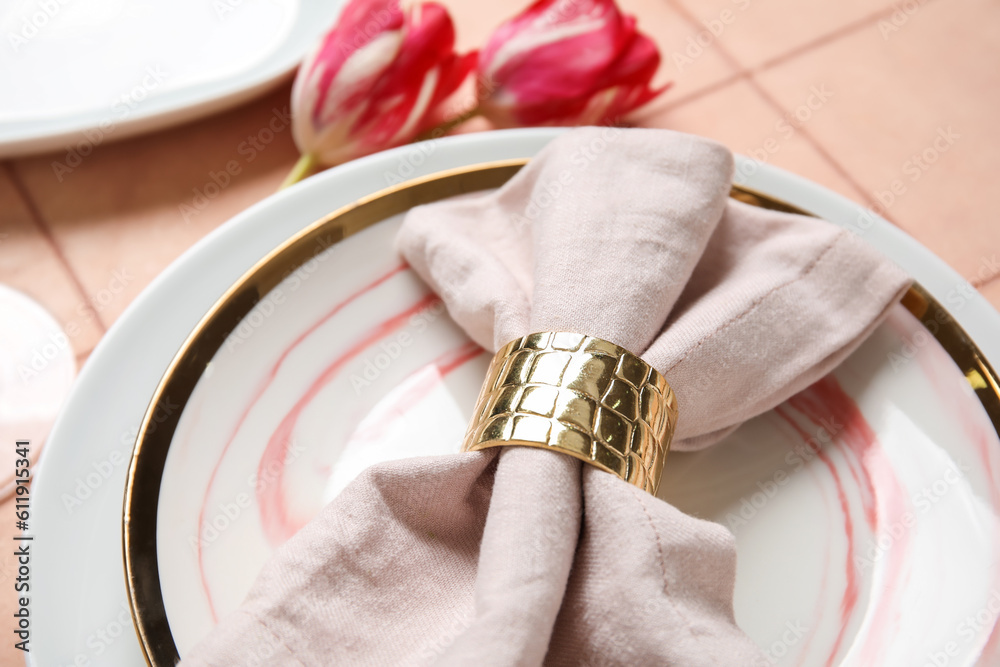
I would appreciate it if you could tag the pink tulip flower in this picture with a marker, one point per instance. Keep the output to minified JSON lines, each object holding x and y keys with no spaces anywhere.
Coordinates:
{"x":566,"y":62}
{"x":375,"y":81}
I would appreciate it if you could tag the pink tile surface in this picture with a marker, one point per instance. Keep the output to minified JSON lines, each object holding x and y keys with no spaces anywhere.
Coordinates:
{"x":131,"y":208}
{"x":893,"y":75}
{"x":763,"y":133}
{"x":756,"y":32}
{"x":672,"y":33}
{"x":30,"y":264}
{"x":912,"y":118}
{"x":991,"y":291}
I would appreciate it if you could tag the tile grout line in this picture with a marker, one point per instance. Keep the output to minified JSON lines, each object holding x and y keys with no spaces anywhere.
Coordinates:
{"x":699,"y":93}
{"x":866,"y":199}
{"x":823,"y":40}
{"x":980,"y":284}
{"x":749,"y":75}
{"x":45,"y":231}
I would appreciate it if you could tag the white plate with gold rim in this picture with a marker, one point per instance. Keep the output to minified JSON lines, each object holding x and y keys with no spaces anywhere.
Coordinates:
{"x":213,"y":264}
{"x":83,"y":73}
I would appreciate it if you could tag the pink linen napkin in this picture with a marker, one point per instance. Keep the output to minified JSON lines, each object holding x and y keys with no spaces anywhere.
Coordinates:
{"x":527,"y":557}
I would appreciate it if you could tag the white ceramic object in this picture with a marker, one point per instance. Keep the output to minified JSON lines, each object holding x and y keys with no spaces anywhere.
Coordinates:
{"x":80,"y":600}
{"x":846,"y":501}
{"x":317,"y":383}
{"x":67,"y":86}
{"x":37,"y":368}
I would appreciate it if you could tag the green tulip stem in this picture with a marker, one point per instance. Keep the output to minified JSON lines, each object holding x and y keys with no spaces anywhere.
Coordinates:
{"x":306,"y":165}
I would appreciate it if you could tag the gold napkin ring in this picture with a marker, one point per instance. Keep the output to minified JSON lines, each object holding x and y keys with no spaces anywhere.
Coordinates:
{"x":582,"y":396}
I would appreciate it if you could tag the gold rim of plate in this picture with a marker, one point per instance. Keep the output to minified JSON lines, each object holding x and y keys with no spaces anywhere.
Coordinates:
{"x":153,"y":441}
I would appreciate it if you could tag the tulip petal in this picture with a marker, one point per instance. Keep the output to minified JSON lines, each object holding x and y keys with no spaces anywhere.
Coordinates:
{"x":566,"y":62}
{"x":361,"y":22}
{"x":554,"y":55}
{"x":404,"y":91}
{"x":375,"y":80}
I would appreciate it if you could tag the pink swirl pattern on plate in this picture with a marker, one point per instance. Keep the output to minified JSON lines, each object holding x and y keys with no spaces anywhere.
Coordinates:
{"x":827,"y":576}
{"x":823,"y":402}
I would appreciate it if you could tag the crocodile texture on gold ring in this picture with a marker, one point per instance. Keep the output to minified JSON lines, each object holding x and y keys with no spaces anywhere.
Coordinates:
{"x":581,"y":396}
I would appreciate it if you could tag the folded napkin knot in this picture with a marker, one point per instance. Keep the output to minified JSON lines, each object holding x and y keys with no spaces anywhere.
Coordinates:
{"x":520,"y":556}
{"x":579,"y":395}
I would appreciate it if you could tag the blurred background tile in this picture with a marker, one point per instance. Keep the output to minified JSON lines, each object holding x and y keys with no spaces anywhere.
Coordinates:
{"x":991,"y":291}
{"x":691,"y":69}
{"x":132,"y":207}
{"x":912,"y":118}
{"x":758,"y":31}
{"x":30,"y":263}
{"x":762,"y":132}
